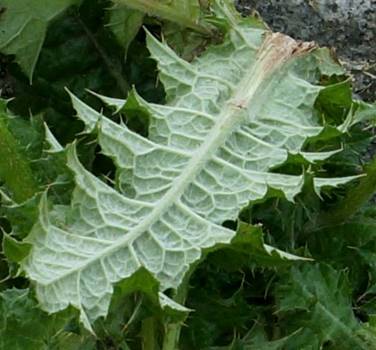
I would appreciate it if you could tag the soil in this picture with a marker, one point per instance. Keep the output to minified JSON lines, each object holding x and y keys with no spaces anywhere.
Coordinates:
{"x":348,"y":26}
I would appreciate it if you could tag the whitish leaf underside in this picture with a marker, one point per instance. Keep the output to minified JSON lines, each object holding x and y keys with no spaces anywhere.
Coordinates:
{"x":231,"y":115}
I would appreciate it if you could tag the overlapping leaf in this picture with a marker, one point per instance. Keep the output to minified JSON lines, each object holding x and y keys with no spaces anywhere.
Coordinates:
{"x":125,"y":24}
{"x":18,"y":329}
{"x":23,"y":28}
{"x":14,"y":168}
{"x":186,"y":13}
{"x":320,"y":298}
{"x":231,"y":115}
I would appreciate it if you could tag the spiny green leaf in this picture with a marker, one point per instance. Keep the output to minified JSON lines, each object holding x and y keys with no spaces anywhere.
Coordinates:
{"x":231,"y":115}
{"x":14,"y":168}
{"x":23,"y":326}
{"x":357,"y":197}
{"x":248,"y":249}
{"x":143,"y":281}
{"x":365,"y":112}
{"x":256,"y":339}
{"x":349,"y":245}
{"x":186,"y":13}
{"x":318,"y":298}
{"x":125,"y":24}
{"x":20,"y":216}
{"x":73,"y":56}
{"x":14,"y":250}
{"x":26,"y":168}
{"x":23,"y":26}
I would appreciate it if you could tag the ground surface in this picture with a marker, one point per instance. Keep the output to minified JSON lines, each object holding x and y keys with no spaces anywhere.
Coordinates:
{"x":348,"y":26}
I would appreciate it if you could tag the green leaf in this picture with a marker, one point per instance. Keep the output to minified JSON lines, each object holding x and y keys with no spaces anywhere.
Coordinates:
{"x":23,"y":26}
{"x":365,"y":112}
{"x":335,"y":100}
{"x":186,"y":13}
{"x":14,"y":168}
{"x":349,"y":245}
{"x":26,"y":168}
{"x":54,"y":145}
{"x":225,"y":304}
{"x":143,"y":281}
{"x":256,"y":339}
{"x":357,"y":197}
{"x":75,"y":54}
{"x":14,"y":250}
{"x":23,"y":326}
{"x":231,"y":116}
{"x":318,"y":298}
{"x":248,"y":249}
{"x":186,"y":43}
{"x":125,"y":24}
{"x":72,"y":341}
{"x":22,"y":216}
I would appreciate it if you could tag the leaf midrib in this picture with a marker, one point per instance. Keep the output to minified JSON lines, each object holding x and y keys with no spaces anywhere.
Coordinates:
{"x":248,"y":92}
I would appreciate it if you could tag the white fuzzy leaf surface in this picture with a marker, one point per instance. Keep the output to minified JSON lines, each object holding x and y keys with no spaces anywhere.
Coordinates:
{"x":231,"y":115}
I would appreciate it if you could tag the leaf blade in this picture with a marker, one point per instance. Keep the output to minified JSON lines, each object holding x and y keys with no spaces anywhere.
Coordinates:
{"x":24,"y":25}
{"x":200,"y":166}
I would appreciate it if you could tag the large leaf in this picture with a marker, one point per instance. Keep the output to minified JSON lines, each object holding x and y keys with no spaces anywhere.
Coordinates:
{"x":78,"y":52}
{"x":23,"y":26}
{"x":318,"y":298}
{"x":231,"y":115}
{"x":349,"y":245}
{"x":23,"y":326}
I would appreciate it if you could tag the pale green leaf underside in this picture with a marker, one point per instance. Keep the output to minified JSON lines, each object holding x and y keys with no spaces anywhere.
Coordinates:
{"x":231,"y":115}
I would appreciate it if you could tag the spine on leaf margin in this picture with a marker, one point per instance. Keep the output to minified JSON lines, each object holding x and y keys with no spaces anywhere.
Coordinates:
{"x":353,"y":200}
{"x":275,"y":52}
